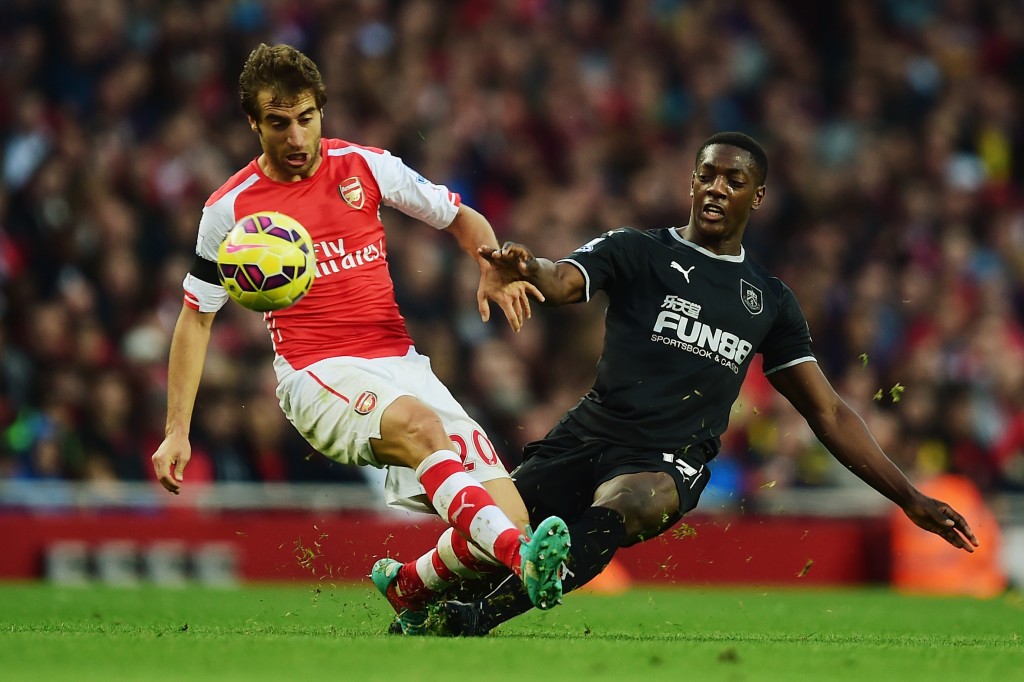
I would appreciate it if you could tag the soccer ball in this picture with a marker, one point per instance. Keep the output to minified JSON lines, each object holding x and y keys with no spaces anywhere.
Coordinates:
{"x":267,"y":261}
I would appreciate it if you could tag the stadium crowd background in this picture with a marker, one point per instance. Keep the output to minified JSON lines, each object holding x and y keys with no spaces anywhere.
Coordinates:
{"x":893,"y":209}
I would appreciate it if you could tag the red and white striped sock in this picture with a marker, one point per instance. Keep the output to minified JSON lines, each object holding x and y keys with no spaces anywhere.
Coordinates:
{"x":452,"y":559}
{"x":463,"y":557}
{"x":468,"y":507}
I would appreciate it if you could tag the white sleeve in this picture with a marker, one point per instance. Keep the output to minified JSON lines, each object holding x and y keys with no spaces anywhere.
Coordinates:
{"x":214,"y":225}
{"x":217,"y":220}
{"x":406,"y":190}
{"x":203,"y":296}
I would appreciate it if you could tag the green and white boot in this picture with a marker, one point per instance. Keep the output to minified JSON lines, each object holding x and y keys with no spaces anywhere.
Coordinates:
{"x":542,"y":555}
{"x":411,"y":619}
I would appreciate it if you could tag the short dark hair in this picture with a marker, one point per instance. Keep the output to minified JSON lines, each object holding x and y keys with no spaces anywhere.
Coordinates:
{"x":283,"y":70}
{"x":744,"y":142}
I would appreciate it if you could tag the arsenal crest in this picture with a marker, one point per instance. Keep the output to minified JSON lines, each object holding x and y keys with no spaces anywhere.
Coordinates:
{"x":351,"y":191}
{"x":365,"y":403}
{"x":753,"y":299}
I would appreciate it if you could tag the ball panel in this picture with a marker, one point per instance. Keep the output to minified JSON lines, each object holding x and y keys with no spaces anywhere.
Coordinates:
{"x":255,"y":274}
{"x":267,"y":261}
{"x":275,"y":282}
{"x":280,"y":233}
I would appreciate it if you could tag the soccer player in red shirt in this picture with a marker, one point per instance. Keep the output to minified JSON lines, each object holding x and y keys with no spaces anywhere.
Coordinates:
{"x":349,"y":377}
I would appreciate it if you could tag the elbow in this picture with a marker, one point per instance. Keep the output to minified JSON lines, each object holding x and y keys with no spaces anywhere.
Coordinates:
{"x":562,"y":292}
{"x":831,"y":423}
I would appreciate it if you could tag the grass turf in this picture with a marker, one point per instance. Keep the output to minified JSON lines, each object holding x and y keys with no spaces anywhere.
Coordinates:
{"x":336,"y":632}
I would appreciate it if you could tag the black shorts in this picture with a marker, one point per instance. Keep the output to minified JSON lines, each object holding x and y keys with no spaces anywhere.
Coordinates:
{"x":560,"y":473}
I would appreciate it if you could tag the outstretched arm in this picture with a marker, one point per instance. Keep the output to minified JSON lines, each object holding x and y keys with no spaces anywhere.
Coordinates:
{"x":184,"y":369}
{"x":558,"y":283}
{"x":473,"y":233}
{"x":846,"y":436}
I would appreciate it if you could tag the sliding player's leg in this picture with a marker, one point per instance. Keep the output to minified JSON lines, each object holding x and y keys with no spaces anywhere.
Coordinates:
{"x":639,"y":495}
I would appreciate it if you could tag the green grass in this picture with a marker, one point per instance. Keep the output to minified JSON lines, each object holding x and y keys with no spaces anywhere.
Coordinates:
{"x":336,"y":633}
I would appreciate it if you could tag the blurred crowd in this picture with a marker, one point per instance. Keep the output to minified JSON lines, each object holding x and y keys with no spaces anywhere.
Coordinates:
{"x":893,"y":210}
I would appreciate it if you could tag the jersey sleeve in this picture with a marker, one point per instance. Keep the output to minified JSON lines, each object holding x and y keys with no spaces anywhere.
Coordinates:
{"x":203,"y":292}
{"x":604,"y":260}
{"x":788,"y":342}
{"x":404,"y":189}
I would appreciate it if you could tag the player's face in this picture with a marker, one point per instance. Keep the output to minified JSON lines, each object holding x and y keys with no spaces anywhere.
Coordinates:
{"x":290,"y":135}
{"x":725,"y":190}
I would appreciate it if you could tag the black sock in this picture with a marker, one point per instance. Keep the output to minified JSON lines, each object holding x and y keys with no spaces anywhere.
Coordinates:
{"x":596,"y":536}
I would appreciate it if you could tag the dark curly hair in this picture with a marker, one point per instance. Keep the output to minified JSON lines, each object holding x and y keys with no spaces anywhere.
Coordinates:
{"x":284,"y":71}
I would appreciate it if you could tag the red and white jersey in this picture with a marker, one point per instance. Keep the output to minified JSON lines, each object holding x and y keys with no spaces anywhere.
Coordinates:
{"x":350,"y":309}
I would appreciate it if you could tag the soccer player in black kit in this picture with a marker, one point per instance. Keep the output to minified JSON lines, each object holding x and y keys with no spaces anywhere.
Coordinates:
{"x":687,"y":311}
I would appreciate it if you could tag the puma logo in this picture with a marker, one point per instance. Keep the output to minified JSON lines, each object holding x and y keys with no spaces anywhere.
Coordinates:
{"x":463,"y":506}
{"x":686,"y":272}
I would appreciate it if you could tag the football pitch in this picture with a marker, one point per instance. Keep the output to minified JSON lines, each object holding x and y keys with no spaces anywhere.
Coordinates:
{"x":337,"y":632}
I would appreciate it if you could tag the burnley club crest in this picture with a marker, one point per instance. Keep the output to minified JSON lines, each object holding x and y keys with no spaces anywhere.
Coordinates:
{"x":753,"y":299}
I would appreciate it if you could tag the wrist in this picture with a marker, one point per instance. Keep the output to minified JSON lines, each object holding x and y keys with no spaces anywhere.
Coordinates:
{"x":176,"y":431}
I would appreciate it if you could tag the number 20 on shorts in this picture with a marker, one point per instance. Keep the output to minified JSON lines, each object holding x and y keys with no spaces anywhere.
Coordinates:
{"x":481,"y":444}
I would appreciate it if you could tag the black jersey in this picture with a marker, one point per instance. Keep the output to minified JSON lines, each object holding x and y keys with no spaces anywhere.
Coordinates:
{"x":682,"y":326}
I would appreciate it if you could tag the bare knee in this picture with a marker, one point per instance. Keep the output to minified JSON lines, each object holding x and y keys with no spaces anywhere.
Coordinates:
{"x":409,"y":432}
{"x":647,"y":501}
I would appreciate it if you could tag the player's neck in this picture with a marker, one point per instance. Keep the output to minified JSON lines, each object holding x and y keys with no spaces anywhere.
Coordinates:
{"x":720,"y":246}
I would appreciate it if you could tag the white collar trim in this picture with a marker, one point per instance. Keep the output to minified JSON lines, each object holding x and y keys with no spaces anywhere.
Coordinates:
{"x":710,"y":254}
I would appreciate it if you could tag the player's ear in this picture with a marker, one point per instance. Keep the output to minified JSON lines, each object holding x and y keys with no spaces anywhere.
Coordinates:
{"x":758,"y":198}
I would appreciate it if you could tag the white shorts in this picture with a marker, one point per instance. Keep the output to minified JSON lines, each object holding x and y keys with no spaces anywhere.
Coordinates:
{"x":336,"y":404}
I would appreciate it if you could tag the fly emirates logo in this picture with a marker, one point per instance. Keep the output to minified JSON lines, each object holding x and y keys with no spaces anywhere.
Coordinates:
{"x":331,"y":257}
{"x":677,"y":325}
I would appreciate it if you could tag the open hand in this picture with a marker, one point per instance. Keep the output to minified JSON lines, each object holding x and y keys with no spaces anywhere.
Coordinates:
{"x":513,"y":297}
{"x":501,"y":281}
{"x":938,"y":517}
